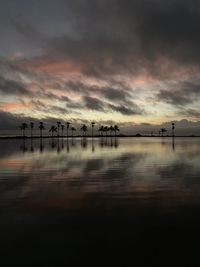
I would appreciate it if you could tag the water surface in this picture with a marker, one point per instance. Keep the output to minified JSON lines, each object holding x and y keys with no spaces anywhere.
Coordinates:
{"x":106,"y":200}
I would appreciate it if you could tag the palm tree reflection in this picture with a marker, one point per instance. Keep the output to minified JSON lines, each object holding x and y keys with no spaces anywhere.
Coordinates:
{"x":32,"y":146}
{"x":73,"y":142}
{"x":23,"y":146}
{"x":93,"y":146}
{"x":68,"y":148}
{"x":84,"y":142}
{"x":108,"y":142}
{"x":41,"y":145}
{"x":173,"y":144}
{"x":59,"y":144}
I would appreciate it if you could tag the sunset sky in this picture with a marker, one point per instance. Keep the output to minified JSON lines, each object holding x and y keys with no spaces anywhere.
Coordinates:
{"x":134,"y":62}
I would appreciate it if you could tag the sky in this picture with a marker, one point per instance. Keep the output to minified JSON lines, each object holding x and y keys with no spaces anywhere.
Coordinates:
{"x":135,"y":63}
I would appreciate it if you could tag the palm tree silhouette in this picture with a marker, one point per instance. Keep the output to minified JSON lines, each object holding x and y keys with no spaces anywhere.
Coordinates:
{"x":62,"y":128}
{"x":173,"y":128}
{"x":68,"y":123}
{"x":73,"y":130}
{"x":84,"y":129}
{"x":23,"y":127}
{"x":116,"y":129}
{"x":31,"y":126}
{"x":41,"y":127}
{"x":92,"y":123}
{"x":58,"y":126}
{"x":101,"y":130}
{"x":111,"y":129}
{"x":163,"y":130}
{"x":53,"y":130}
{"x":106,"y":129}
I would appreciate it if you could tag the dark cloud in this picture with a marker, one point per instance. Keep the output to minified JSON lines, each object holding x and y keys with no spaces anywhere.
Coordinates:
{"x":28,"y":31}
{"x":12,"y":87}
{"x":134,"y":110}
{"x":190,"y":112}
{"x":113,"y":94}
{"x":181,"y":94}
{"x":130,"y":36}
{"x":106,"y":40}
{"x":93,"y":103}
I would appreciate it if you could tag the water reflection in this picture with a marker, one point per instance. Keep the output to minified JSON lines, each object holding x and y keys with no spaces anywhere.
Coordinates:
{"x":62,"y":166}
{"x":59,"y":144}
{"x":81,"y":195}
{"x":173,"y":143}
{"x":142,"y":165}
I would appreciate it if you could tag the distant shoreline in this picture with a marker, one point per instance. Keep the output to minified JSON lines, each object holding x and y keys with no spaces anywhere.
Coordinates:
{"x":96,"y":136}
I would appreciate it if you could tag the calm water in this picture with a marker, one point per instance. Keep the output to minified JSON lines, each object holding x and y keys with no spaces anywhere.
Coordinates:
{"x":102,"y":201}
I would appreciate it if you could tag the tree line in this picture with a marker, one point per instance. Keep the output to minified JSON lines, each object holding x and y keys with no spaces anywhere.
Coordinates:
{"x":59,"y":129}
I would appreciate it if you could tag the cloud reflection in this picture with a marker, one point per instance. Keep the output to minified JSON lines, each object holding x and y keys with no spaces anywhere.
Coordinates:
{"x":59,"y":168}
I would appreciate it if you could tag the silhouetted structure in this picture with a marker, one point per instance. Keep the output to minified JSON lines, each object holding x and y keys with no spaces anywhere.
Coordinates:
{"x":116,"y":129}
{"x":73,"y":130}
{"x":62,"y":129}
{"x":68,"y":123}
{"x":83,"y":129}
{"x":31,"y":127}
{"x":106,"y":129}
{"x":101,"y":129}
{"x":58,"y":126}
{"x":173,"y":128}
{"x":92,"y":123}
{"x":41,"y":127}
{"x":23,"y":128}
{"x":163,"y":130}
{"x":53,"y":130}
{"x":111,"y":129}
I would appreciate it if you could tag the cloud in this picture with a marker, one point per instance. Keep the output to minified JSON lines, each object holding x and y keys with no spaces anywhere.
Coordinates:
{"x":11,"y":87}
{"x":131,"y":37}
{"x":93,"y":103}
{"x":113,"y":93}
{"x":180,"y":94}
{"x":190,"y":112}
{"x":134,"y":110}
{"x":79,"y":53}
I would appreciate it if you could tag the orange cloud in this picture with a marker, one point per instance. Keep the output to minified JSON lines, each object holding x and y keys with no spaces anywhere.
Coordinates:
{"x":52,"y":65}
{"x":14,"y":106}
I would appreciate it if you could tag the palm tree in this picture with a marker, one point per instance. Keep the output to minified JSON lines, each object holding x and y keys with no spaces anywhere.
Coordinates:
{"x":73,"y":130}
{"x":23,"y":127}
{"x":62,"y":128}
{"x":92,"y":123}
{"x":58,"y":126}
{"x":106,"y":129}
{"x":84,"y":129}
{"x":41,"y":127}
{"x":53,"y":130}
{"x":163,"y":130}
{"x":111,"y":129}
{"x":173,"y":128}
{"x":31,"y":126}
{"x":101,"y":130}
{"x":68,"y":123}
{"x":116,"y":129}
